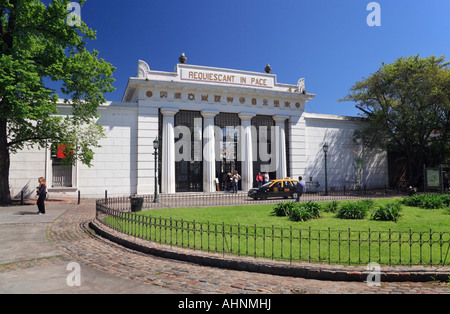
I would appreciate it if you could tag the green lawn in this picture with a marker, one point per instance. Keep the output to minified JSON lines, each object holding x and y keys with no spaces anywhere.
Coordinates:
{"x":413,"y":218}
{"x":421,"y":236}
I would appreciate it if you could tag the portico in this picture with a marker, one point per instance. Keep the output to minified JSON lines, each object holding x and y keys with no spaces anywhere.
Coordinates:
{"x":229,"y":104}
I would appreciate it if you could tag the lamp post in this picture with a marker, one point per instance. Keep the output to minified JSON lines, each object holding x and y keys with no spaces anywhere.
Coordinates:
{"x":156,"y":147}
{"x":325,"y":150}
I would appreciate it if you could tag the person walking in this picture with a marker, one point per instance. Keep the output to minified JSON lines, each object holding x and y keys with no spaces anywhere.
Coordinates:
{"x":236,"y":178}
{"x":41,"y":192}
{"x":301,"y":188}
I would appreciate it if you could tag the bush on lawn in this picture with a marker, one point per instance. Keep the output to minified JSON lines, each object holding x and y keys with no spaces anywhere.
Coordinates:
{"x":388,"y":212}
{"x":355,"y":210}
{"x":297,"y":211}
{"x":331,"y":207}
{"x":427,"y":201}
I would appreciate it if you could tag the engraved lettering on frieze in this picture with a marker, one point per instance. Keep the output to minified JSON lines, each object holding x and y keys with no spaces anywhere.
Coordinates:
{"x":287,"y":104}
{"x":217,"y":98}
{"x":191,"y":96}
{"x":204,"y":97}
{"x":276,"y":103}
{"x":297,"y":105}
{"x":230,"y":99}
{"x":177,"y":95}
{"x":265,"y":102}
{"x":149,"y":94}
{"x":163,"y":94}
{"x":253,"y":101}
{"x":242,"y":100}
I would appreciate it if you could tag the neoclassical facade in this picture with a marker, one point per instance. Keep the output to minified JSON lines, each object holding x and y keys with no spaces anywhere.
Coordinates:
{"x":209,"y":122}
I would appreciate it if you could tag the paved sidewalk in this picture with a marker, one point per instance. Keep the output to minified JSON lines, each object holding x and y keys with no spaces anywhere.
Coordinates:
{"x":62,"y":236}
{"x":30,"y":264}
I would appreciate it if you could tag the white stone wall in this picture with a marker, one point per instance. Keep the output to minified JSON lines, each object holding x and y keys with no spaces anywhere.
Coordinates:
{"x":337,"y":132}
{"x":26,"y":167}
{"x":114,"y":167}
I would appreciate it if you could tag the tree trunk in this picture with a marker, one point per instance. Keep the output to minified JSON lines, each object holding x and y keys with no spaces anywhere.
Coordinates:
{"x":5,"y":195}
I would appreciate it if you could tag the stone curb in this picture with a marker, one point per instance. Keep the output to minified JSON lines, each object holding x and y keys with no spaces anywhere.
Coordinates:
{"x":307,"y":271}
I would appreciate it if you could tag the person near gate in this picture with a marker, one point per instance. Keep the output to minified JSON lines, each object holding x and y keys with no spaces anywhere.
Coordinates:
{"x":259,"y":179}
{"x":236,"y":178}
{"x":301,"y":188}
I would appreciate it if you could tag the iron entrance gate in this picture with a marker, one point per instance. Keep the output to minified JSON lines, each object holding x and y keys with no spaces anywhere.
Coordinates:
{"x":189,"y":173}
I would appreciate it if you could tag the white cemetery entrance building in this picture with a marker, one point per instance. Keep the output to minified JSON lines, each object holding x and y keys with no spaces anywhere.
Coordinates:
{"x":209,"y":122}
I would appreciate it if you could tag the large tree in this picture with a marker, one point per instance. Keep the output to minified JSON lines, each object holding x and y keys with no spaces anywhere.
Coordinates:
{"x":407,"y":106}
{"x":42,"y":46}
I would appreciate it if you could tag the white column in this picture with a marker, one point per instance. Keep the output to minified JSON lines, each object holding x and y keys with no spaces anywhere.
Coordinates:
{"x":168,"y":151}
{"x":280,"y":147}
{"x":246,"y":154}
{"x":209,"y":156}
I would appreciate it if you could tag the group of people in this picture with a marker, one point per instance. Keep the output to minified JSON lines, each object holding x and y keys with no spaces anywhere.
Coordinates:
{"x":262,"y":179}
{"x":231,"y":181}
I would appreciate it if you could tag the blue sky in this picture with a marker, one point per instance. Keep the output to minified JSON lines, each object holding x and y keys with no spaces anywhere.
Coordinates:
{"x":327,"y":42}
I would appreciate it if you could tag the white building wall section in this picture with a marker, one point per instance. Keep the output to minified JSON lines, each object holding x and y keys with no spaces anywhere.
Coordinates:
{"x":337,"y":132}
{"x":26,"y":167}
{"x":114,"y":167}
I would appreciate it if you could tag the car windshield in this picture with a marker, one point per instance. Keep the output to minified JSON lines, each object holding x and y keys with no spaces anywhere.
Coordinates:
{"x":267,"y":184}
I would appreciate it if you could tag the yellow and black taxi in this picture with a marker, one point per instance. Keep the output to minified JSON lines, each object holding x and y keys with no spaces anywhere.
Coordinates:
{"x":275,"y":188}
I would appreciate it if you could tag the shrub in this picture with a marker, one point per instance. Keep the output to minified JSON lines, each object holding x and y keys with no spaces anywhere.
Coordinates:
{"x":427,"y":201}
{"x":412,"y":200}
{"x":300,"y":213}
{"x":331,"y":207}
{"x":388,"y":212}
{"x":355,"y":210}
{"x":283,"y":209}
{"x":297,"y":211}
{"x":313,"y":208}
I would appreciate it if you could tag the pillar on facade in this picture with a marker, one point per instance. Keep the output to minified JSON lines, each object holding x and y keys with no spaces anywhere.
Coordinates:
{"x":209,"y":156}
{"x":280,"y":147}
{"x":168,"y":151}
{"x":246,"y":151}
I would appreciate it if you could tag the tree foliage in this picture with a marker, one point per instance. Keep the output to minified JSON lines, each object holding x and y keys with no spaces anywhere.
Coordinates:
{"x":37,"y":47}
{"x":407,"y":106}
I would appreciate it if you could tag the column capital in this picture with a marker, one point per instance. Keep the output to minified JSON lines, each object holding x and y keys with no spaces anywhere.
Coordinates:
{"x":209,"y":113}
{"x":246,"y":115}
{"x":280,"y":119}
{"x":169,"y":111}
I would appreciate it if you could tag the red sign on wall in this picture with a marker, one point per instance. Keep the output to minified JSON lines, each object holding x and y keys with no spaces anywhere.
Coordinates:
{"x":63,"y":151}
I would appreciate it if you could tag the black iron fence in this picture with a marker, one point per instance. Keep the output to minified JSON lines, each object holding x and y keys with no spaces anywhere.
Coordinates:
{"x":227,"y":198}
{"x":278,"y":243}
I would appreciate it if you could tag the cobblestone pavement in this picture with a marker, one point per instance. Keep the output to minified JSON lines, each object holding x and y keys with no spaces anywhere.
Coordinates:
{"x":71,"y":235}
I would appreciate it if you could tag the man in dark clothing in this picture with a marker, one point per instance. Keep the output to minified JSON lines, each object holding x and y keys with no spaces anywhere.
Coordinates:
{"x":301,"y":188}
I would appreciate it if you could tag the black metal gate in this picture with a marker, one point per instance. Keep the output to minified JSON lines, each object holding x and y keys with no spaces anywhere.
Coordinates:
{"x":229,"y":140}
{"x":189,"y":173}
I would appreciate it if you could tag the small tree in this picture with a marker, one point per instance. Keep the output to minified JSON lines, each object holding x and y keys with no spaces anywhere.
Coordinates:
{"x":407,"y":106}
{"x":39,"y":45}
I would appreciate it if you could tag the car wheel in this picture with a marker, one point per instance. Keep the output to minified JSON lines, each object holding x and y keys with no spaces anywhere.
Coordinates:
{"x":264,"y":196}
{"x":294,"y":195}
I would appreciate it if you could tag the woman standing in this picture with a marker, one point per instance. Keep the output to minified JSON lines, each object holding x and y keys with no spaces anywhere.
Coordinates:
{"x":41,"y":191}
{"x":236,"y":178}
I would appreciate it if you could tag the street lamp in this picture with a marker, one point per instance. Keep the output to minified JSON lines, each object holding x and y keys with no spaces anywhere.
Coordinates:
{"x":156,"y":147}
{"x":325,"y":150}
